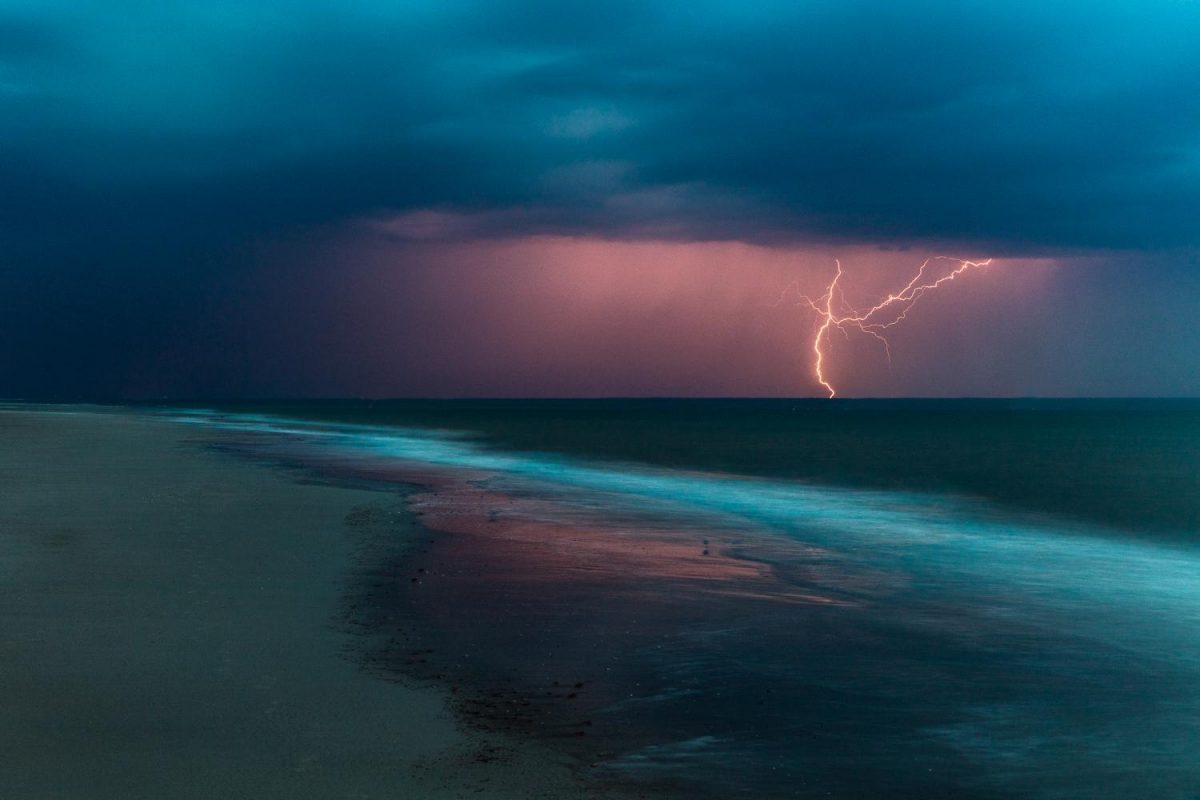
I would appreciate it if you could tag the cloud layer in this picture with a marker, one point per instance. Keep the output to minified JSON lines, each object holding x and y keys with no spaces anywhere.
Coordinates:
{"x":1018,"y":124}
{"x":183,"y":182}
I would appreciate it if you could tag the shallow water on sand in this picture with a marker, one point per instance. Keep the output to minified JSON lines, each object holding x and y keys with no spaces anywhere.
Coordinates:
{"x":703,"y":632}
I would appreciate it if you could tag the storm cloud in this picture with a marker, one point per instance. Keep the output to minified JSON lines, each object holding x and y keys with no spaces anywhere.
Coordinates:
{"x":148,"y":150}
{"x":1021,"y":124}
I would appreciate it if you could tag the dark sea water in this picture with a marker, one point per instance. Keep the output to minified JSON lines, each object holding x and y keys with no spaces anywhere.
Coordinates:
{"x":918,"y":599}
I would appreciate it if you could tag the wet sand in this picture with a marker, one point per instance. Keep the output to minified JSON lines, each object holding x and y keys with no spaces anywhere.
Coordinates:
{"x":256,"y":613}
{"x":177,"y":623}
{"x":704,"y":636}
{"x":538,"y":616}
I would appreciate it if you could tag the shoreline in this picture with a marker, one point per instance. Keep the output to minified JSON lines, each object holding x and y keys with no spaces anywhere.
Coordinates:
{"x":534,"y":618}
{"x":658,"y":633}
{"x":180,"y":629}
{"x":590,"y":630}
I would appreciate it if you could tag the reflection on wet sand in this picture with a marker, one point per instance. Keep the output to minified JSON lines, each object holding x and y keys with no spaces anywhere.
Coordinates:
{"x":530,"y":540}
{"x":705,"y":635}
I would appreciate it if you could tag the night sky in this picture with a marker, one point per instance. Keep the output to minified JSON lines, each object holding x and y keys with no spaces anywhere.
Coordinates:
{"x":232,"y":199}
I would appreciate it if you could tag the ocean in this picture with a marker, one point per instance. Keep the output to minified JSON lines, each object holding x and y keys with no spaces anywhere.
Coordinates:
{"x":770,"y":598}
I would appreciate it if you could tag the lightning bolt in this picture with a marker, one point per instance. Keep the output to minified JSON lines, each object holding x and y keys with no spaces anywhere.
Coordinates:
{"x":836,"y":314}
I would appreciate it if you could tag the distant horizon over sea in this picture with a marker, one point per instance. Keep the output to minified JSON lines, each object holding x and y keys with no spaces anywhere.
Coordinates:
{"x":1123,"y":461}
{"x":222,"y":400}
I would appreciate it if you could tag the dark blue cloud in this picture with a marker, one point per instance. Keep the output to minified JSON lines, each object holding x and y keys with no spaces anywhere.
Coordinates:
{"x":1025,"y":124}
{"x":147,"y":147}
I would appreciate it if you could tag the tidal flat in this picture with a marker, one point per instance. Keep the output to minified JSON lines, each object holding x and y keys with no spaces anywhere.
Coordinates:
{"x":675,"y":599}
{"x":174,"y":624}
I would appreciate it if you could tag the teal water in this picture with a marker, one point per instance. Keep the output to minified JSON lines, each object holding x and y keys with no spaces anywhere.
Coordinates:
{"x":1130,"y":463}
{"x":1009,"y":593}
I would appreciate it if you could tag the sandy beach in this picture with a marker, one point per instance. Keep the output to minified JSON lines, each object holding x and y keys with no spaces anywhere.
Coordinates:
{"x":697,"y":633}
{"x":173,"y":625}
{"x":204,"y":603}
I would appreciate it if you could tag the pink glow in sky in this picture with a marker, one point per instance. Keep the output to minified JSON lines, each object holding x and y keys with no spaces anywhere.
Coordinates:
{"x":563,"y":316}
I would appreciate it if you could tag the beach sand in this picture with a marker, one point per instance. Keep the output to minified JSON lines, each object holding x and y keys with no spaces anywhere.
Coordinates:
{"x":174,"y":625}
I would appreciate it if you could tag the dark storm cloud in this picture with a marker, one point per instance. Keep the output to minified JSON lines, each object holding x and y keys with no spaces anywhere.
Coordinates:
{"x":1060,"y":124}
{"x":154,"y":154}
